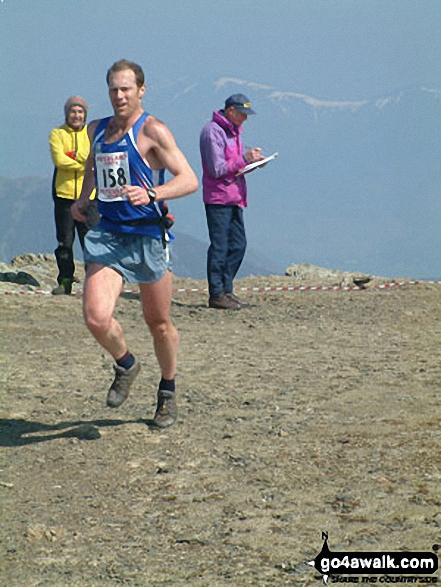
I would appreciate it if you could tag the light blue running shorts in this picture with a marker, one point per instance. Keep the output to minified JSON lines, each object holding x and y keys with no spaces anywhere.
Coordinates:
{"x":139,"y":258}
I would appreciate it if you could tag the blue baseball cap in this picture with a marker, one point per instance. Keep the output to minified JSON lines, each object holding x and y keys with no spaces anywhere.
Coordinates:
{"x":240,"y":102}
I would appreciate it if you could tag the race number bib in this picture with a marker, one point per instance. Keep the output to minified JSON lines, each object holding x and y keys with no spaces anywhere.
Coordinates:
{"x":113,"y":173}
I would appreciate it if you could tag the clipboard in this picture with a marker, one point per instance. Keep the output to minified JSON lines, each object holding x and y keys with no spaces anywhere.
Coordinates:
{"x":257,"y":164}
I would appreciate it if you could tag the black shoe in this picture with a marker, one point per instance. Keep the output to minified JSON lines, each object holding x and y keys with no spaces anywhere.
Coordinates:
{"x":63,"y":288}
{"x":223,"y":302}
{"x":119,"y":390}
{"x":166,"y":410}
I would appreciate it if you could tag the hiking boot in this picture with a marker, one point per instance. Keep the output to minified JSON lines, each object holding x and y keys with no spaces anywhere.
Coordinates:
{"x":166,"y":409}
{"x":119,"y":390}
{"x":242,"y":303}
{"x":63,"y":288}
{"x":223,"y":302}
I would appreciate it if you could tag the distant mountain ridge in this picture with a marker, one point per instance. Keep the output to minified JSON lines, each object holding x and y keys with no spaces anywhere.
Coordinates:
{"x":278,"y":95}
{"x":356,"y":186}
{"x":27,"y":226}
{"x":358,"y":179}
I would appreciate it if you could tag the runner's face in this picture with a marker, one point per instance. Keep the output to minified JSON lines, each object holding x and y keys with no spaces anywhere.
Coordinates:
{"x":75,"y":117}
{"x":125,"y":96}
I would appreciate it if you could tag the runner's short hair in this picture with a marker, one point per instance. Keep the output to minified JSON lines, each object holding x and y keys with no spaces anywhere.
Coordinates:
{"x":123,"y":64}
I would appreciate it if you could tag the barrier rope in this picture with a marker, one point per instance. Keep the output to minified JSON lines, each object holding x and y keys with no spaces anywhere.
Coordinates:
{"x":257,"y":289}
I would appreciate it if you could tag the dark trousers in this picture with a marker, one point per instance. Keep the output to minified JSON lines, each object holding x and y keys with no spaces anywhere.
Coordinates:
{"x":228,"y":244}
{"x":65,"y":226}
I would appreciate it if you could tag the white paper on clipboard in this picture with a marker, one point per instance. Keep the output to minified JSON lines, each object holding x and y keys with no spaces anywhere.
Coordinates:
{"x":257,"y":164}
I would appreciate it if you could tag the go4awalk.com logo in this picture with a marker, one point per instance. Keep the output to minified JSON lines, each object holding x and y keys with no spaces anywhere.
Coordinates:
{"x":392,"y":567}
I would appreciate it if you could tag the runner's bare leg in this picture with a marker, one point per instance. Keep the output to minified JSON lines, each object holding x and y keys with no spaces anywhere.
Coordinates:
{"x":156,"y":303}
{"x":101,"y":291}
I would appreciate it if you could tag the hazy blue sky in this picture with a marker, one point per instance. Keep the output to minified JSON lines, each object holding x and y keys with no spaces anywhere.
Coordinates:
{"x":330,"y":50}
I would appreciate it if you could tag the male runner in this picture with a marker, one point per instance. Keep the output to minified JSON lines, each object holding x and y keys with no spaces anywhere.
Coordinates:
{"x":131,"y":151}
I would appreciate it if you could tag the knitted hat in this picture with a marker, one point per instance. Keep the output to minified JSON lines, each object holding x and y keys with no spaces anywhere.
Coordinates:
{"x":76,"y":101}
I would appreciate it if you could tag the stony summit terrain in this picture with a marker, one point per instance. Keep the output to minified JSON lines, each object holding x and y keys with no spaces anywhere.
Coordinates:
{"x":310,"y":411}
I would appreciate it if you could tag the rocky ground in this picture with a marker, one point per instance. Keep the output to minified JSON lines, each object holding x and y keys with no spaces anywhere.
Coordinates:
{"x":309,"y":411}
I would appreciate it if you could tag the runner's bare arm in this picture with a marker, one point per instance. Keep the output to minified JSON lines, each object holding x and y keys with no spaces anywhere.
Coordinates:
{"x":81,"y":204}
{"x":164,"y":153}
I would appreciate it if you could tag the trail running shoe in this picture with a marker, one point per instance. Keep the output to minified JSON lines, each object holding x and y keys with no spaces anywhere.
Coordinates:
{"x":119,"y":390}
{"x":166,"y":410}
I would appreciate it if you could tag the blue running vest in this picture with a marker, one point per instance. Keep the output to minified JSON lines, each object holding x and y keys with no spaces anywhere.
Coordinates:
{"x":118,"y":164}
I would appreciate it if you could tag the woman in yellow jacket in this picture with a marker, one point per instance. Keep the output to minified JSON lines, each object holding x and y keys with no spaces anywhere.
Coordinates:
{"x":70,"y":146}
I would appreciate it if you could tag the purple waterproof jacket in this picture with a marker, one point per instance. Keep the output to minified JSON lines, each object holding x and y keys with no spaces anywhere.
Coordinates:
{"x":222,"y":157}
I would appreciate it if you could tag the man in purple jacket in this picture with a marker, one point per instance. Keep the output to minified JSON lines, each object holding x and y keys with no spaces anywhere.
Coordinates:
{"x":225,"y":197}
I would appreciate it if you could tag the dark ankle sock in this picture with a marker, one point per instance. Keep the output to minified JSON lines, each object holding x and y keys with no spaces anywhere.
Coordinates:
{"x":126,"y":361}
{"x":167,"y":384}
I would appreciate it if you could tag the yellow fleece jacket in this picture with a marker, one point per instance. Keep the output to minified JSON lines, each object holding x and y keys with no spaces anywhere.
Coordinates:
{"x":69,"y":151}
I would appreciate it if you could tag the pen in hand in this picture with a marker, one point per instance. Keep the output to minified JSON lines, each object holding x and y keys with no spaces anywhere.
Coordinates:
{"x":253,"y":154}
